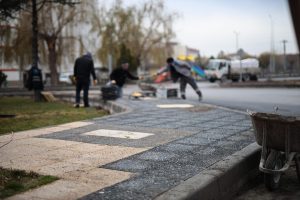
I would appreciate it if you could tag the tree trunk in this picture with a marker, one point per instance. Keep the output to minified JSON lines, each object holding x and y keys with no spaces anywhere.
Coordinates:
{"x":51,"y":43}
{"x":34,"y":34}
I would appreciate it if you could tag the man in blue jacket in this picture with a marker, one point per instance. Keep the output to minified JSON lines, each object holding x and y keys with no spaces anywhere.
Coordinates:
{"x":182,"y":71}
{"x":83,"y":69}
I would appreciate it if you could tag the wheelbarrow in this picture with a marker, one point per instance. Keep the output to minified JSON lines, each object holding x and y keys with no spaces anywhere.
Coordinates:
{"x":279,"y":137}
{"x":147,"y":89}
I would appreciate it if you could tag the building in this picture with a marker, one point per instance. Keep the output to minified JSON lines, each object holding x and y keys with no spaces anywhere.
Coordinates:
{"x":182,"y":52}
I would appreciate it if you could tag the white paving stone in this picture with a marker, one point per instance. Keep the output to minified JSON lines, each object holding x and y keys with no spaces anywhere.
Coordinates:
{"x":118,"y":134}
{"x":175,"y":105}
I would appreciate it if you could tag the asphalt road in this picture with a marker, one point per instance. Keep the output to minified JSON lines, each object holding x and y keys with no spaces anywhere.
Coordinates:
{"x":255,"y":99}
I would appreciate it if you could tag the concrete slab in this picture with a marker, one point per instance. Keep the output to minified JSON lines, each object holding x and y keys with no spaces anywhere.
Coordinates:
{"x":175,"y":106}
{"x":118,"y":134}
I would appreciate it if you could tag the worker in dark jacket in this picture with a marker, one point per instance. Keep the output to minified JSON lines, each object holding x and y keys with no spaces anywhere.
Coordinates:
{"x":83,"y":69}
{"x":182,"y":71}
{"x":119,"y":76}
{"x":35,"y":82}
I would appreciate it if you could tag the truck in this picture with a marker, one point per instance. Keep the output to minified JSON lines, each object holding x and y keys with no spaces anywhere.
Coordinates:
{"x":222,"y":69}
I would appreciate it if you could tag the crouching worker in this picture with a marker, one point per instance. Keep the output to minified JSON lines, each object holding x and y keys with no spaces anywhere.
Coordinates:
{"x":119,"y":76}
{"x":182,"y":71}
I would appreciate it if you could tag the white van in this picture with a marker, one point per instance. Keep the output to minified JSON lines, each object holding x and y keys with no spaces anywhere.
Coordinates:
{"x":221,"y":69}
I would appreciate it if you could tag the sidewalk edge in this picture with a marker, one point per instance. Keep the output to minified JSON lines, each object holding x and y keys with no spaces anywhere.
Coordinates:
{"x":220,"y":181}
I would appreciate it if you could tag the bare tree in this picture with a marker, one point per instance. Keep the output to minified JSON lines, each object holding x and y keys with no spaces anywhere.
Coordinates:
{"x":10,"y":9}
{"x":141,"y":28}
{"x":53,"y":18}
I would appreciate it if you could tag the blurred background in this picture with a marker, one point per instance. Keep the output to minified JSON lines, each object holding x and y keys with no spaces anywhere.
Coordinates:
{"x":145,"y":32}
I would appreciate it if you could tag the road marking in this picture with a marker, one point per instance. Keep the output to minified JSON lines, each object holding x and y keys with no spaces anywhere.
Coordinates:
{"x":118,"y":134}
{"x":174,"y":105}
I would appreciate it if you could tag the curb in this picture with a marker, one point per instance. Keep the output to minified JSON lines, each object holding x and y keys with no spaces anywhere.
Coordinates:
{"x":278,"y":84}
{"x":112,"y":107}
{"x":222,"y":180}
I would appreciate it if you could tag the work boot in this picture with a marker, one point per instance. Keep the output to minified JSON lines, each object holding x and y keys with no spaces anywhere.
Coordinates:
{"x":199,"y":95}
{"x":183,"y":96}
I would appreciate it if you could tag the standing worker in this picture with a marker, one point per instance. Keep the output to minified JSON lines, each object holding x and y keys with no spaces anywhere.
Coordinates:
{"x":35,"y":82}
{"x":83,"y":69}
{"x":181,"y":70}
{"x":119,"y":76}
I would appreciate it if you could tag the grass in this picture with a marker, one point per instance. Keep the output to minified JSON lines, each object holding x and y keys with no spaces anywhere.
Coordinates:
{"x":16,"y":181}
{"x":30,"y":114}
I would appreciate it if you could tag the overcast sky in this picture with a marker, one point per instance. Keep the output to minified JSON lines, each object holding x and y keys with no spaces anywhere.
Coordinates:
{"x":209,"y":25}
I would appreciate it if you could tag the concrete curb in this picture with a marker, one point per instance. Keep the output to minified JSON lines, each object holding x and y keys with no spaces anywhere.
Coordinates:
{"x":112,"y":107}
{"x":222,"y":180}
{"x":273,"y":84}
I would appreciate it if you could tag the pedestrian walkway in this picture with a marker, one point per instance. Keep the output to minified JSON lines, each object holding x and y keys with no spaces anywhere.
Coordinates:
{"x":153,"y":147}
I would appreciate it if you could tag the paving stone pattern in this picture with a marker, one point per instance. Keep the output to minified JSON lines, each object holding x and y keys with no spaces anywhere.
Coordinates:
{"x":183,"y":143}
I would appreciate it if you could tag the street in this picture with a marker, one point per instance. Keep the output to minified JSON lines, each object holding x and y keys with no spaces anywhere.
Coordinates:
{"x":255,"y":99}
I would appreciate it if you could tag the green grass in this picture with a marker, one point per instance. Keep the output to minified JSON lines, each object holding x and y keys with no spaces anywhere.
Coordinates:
{"x":16,"y":181}
{"x":30,"y":114}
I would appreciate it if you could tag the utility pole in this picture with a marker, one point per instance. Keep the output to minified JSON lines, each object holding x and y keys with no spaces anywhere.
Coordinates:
{"x":237,"y":50}
{"x":236,"y":40}
{"x":284,"y":54}
{"x":272,"y":58}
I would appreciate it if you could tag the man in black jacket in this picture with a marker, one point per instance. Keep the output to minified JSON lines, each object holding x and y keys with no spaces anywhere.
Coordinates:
{"x":83,"y":68}
{"x":119,"y":76}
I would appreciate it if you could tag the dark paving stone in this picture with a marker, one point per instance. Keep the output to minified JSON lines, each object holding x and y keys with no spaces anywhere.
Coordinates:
{"x":183,"y":144}
{"x":156,"y":156}
{"x":195,"y":140}
{"x":129,"y":165}
{"x":174,"y":147}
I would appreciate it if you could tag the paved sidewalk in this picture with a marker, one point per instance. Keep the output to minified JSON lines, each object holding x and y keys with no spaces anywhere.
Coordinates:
{"x":135,"y":155}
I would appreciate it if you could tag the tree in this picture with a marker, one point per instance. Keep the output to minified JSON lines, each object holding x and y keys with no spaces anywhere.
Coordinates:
{"x":140,"y":28}
{"x":125,"y":54}
{"x":53,"y":19}
{"x":153,"y":27}
{"x":264,"y":60}
{"x":222,"y":55}
{"x":10,"y":8}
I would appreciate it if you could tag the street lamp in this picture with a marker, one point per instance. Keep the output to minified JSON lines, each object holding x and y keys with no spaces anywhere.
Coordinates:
{"x":284,"y":54}
{"x":237,"y":50}
{"x":272,"y":59}
{"x":236,"y":40}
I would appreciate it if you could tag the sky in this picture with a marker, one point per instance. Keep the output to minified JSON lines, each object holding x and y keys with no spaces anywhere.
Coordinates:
{"x":212,"y":25}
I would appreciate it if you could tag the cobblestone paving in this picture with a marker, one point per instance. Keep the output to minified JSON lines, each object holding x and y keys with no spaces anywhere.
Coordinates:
{"x":184,"y":142}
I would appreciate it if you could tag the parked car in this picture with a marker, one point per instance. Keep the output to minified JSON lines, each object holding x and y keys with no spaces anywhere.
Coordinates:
{"x":64,"y":77}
